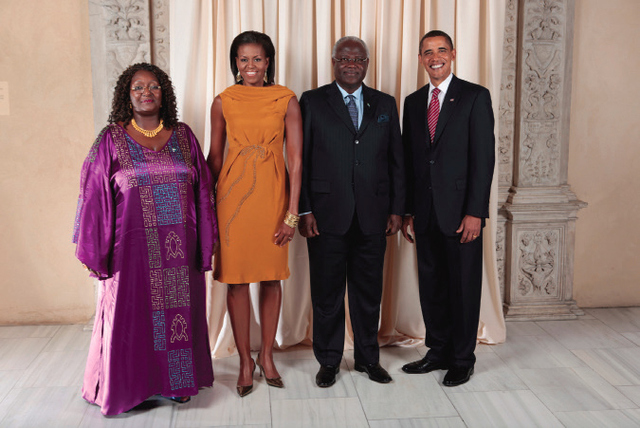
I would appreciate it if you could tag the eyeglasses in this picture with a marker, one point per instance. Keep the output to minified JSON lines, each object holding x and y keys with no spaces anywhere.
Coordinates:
{"x":140,"y":89}
{"x":345,"y":60}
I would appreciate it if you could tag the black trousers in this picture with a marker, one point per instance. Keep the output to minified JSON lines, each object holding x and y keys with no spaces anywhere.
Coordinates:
{"x":450,"y":284}
{"x":352,"y":262}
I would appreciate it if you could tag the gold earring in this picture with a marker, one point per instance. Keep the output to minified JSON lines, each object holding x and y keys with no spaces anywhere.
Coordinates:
{"x":266,"y":81}
{"x":238,"y":77}
{"x":130,"y":106}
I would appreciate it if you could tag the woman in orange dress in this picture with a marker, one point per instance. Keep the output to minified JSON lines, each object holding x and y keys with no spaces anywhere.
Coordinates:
{"x":257,"y":199}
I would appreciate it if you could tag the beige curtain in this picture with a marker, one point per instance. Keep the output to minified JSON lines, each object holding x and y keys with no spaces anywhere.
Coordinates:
{"x":303,"y":32}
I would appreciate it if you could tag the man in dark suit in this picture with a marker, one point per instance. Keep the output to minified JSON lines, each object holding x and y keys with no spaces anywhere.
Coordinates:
{"x":449,"y":151}
{"x":352,"y":198}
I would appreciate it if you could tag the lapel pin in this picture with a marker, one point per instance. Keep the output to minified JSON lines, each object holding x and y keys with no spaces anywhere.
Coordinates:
{"x":368,"y":105}
{"x":450,"y":99}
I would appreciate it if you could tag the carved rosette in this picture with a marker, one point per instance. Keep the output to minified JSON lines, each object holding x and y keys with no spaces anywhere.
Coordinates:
{"x":538,"y":272}
{"x":541,"y":91}
{"x":506,"y":119}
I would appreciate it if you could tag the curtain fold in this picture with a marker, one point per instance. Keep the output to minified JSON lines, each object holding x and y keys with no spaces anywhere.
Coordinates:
{"x":303,"y":32}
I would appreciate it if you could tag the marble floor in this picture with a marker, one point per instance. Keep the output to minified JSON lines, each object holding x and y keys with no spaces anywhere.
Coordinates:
{"x":582,"y":373}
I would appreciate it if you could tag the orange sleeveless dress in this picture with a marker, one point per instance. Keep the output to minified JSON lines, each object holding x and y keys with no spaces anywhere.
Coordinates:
{"x":252,"y":193}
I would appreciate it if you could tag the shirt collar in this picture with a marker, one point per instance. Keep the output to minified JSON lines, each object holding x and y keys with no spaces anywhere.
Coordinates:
{"x":443,"y":86}
{"x":357,"y":93}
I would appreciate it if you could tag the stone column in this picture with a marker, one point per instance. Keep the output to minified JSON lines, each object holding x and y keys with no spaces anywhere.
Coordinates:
{"x":536,"y":232}
{"x":123,"y":32}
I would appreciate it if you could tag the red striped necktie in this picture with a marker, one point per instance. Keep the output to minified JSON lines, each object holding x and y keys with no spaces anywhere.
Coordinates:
{"x":432,"y":113}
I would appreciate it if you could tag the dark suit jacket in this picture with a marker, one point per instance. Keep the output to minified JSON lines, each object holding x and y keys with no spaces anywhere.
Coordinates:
{"x":346,"y":172}
{"x":455,"y":172}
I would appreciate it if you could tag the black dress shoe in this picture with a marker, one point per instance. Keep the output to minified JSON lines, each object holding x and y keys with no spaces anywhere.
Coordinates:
{"x":424,"y":365}
{"x":327,"y":376}
{"x":375,"y":371}
{"x":457,"y":376}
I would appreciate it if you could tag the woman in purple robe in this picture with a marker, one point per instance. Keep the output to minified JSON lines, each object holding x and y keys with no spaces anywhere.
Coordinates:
{"x":146,"y":228}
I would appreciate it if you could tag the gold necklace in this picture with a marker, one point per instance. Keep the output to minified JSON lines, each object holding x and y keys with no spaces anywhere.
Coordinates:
{"x":148,"y":134}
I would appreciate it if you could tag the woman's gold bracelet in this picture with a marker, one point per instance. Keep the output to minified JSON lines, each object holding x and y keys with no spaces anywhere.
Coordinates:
{"x":291,"y":220}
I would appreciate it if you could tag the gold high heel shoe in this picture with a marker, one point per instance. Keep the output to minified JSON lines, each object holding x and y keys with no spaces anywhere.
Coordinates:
{"x":276,"y":381}
{"x":246,"y":389}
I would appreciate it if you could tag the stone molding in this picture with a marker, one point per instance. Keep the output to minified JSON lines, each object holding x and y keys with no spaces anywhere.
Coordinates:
{"x":506,"y":128}
{"x":507,"y":106}
{"x":160,"y":34}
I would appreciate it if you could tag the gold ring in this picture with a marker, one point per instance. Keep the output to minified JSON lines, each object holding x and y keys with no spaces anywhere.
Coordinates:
{"x":474,"y":236}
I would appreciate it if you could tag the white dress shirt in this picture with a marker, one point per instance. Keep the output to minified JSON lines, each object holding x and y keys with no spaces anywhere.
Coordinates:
{"x":443,"y":90}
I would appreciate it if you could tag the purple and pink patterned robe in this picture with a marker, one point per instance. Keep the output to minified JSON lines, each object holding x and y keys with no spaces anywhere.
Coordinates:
{"x":146,"y":223}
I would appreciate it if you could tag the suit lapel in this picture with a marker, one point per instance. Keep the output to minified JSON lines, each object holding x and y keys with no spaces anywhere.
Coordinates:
{"x":420,"y":114}
{"x":335,"y":100}
{"x":451,"y":99}
{"x":370,"y":102}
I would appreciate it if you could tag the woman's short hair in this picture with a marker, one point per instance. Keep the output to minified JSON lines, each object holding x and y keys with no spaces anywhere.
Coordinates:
{"x":121,"y":110}
{"x":254,"y":37}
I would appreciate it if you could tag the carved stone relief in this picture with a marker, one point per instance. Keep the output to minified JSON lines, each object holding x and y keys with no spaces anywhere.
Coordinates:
{"x":542,"y":77}
{"x":127,"y":34}
{"x":538,"y":265}
{"x":539,"y":153}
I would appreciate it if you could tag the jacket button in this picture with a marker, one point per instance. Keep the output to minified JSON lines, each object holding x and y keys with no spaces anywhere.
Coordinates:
{"x":357,"y":163}
{"x":432,"y":162}
{"x":357,"y":142}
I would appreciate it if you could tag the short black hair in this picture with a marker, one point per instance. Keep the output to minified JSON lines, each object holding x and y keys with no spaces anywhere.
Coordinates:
{"x":435,"y":33}
{"x":254,"y":37}
{"x":121,"y":110}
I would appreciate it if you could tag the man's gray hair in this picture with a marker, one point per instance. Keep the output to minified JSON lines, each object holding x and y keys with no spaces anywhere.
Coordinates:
{"x":349,"y":39}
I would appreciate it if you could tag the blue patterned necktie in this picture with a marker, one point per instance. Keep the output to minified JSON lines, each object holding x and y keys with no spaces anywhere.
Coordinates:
{"x":353,"y":110}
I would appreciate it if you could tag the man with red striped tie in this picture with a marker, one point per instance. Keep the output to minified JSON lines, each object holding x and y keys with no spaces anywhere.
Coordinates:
{"x":449,"y":155}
